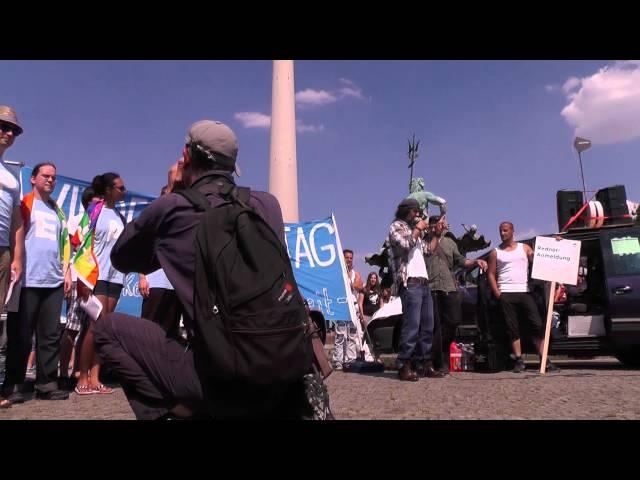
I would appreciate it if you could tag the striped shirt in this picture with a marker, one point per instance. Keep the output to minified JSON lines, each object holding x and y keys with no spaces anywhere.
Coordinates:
{"x":401,"y":242}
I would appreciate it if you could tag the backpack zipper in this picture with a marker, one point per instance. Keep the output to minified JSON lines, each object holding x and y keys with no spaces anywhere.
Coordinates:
{"x":266,"y":331}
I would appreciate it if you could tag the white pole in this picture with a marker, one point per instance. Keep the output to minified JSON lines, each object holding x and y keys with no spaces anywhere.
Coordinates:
{"x":283,"y":169}
{"x":547,"y":331}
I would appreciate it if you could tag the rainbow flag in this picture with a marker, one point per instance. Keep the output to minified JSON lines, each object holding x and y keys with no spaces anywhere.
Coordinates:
{"x":85,"y":263}
{"x":65,"y":248}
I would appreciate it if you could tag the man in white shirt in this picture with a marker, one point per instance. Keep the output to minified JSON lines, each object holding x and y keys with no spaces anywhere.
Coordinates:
{"x":346,"y":342}
{"x":411,"y":282}
{"x":11,"y":229}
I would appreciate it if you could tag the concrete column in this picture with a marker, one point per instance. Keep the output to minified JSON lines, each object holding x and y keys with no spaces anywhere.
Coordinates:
{"x":283,"y":168}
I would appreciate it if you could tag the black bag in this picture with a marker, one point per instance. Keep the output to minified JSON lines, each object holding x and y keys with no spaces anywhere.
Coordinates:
{"x":490,"y":357}
{"x":252,"y":334}
{"x":490,"y":353}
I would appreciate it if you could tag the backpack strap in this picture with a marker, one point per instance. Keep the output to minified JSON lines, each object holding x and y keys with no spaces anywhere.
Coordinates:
{"x":244,"y":194}
{"x":124,"y":221}
{"x":228,"y":190}
{"x":196,"y":199}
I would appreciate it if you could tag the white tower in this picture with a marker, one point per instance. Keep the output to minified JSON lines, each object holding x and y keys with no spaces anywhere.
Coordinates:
{"x":283,"y":167}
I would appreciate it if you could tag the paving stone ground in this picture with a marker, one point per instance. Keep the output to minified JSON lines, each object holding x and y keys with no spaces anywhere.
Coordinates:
{"x":595,"y":389}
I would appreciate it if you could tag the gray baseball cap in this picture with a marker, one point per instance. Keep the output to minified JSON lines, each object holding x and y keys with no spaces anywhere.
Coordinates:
{"x":7,"y":114}
{"x":217,"y":141}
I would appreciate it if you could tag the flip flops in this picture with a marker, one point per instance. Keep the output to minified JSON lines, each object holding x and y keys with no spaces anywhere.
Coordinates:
{"x":102,"y":390}
{"x":84,"y":390}
{"x":91,"y":390}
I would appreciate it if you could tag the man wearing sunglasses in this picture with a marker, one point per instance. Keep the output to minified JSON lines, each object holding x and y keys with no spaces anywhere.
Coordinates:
{"x":11,"y":230}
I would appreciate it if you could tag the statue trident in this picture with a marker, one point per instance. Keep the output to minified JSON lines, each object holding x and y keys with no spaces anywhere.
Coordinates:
{"x":416,"y":186}
{"x":413,"y":154}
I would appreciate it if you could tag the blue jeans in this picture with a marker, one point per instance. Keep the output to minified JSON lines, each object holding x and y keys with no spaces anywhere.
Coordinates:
{"x":416,"y":335}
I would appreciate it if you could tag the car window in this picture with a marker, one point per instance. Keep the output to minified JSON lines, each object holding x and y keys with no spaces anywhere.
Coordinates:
{"x":621,"y":251}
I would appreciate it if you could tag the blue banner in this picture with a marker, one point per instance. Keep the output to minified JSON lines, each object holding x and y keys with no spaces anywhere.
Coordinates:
{"x":318,"y":266}
{"x":68,"y":194}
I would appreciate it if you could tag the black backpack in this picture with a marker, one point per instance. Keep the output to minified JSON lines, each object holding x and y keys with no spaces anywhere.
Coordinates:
{"x":251,"y":324}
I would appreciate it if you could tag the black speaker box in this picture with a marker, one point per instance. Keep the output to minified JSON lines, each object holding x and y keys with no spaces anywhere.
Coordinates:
{"x":569,"y":203}
{"x":614,"y":204}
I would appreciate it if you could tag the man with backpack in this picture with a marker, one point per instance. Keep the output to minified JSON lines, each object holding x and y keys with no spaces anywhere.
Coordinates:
{"x":222,"y":248}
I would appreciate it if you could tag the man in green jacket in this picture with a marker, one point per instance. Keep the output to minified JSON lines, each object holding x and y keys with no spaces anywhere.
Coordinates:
{"x":446,"y":298}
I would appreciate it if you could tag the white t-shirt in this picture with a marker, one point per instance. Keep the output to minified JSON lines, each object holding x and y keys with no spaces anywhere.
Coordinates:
{"x":158,"y":279}
{"x":9,"y":199}
{"x":43,"y":266}
{"x":352,"y":294}
{"x":108,"y":229}
{"x":416,"y":266}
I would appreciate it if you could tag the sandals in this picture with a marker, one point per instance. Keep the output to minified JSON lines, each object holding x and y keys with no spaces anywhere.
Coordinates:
{"x":102,"y":390}
{"x":84,"y":390}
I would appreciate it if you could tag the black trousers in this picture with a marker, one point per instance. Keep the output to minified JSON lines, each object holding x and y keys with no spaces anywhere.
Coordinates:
{"x":163,"y":307}
{"x":520,"y":306}
{"x":447,"y":313}
{"x":157,"y":372}
{"x":39,"y":311}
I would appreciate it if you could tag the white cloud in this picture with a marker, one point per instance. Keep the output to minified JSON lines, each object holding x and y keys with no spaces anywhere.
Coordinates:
{"x":605,"y":107}
{"x":351,"y":92}
{"x":350,"y":89}
{"x":314,"y":97}
{"x":570,"y":84}
{"x":305,"y":98}
{"x":253,"y":119}
{"x":302,"y":128}
{"x":627,"y":63}
{"x":552,"y":88}
{"x":260,"y":120}
{"x":310,"y":97}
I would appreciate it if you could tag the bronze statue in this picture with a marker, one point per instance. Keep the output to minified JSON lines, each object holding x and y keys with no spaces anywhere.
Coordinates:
{"x":470,"y":241}
{"x":425,"y":198}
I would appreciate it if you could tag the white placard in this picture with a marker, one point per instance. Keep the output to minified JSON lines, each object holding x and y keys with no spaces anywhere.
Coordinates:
{"x":91,"y":306}
{"x":13,"y":295}
{"x":556,"y":260}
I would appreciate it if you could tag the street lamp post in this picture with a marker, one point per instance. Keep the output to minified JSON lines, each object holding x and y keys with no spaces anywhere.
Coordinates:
{"x":582,"y":144}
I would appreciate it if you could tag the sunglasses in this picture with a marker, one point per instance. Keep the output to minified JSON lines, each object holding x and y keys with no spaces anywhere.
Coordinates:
{"x":122,"y":188}
{"x":7,"y":127}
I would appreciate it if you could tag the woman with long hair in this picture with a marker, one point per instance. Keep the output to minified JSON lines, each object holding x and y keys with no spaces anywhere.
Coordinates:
{"x":370,"y":299}
{"x":106,"y":225}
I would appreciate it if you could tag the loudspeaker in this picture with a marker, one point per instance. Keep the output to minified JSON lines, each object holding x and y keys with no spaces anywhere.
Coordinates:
{"x":569,"y":203}
{"x":614,"y":202}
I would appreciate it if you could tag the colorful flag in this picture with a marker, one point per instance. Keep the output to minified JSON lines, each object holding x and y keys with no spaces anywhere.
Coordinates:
{"x":85,"y":263}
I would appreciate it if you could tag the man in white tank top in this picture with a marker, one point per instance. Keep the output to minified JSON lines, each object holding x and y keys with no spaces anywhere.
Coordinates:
{"x":508,"y":277}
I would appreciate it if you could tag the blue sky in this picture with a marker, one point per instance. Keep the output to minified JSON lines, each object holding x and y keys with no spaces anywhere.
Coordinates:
{"x":496,"y":136}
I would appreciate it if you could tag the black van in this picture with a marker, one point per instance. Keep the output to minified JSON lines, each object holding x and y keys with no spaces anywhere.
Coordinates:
{"x":601,"y":315}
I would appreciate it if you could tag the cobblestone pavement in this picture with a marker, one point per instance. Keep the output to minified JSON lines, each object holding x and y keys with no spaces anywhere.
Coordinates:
{"x":595,"y":389}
